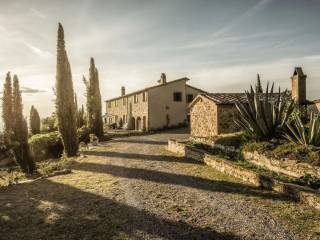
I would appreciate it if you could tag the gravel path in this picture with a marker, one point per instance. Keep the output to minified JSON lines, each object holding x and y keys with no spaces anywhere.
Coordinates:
{"x":154,"y":181}
{"x":132,"y":188}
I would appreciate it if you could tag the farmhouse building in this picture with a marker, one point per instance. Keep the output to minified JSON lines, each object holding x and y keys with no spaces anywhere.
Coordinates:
{"x":212,"y":114}
{"x":156,"y":107}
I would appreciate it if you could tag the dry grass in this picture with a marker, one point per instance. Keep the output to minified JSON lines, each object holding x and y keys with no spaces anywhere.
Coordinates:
{"x":303,"y":220}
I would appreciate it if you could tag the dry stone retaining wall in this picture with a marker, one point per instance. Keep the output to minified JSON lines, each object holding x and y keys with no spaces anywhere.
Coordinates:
{"x":299,"y":193}
{"x":286,"y":166}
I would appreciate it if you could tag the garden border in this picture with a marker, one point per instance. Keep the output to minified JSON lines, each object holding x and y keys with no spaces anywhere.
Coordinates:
{"x":299,"y":193}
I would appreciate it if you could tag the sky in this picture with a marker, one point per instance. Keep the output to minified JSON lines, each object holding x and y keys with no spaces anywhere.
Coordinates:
{"x":220,"y":45}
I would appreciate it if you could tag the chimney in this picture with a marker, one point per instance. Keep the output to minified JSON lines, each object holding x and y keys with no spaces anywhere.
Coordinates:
{"x":299,"y":88}
{"x":123,"y":91}
{"x":163,"y":78}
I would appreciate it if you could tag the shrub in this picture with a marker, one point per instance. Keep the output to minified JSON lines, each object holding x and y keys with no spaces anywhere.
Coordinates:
{"x":308,"y":180}
{"x":83,"y":134}
{"x":44,"y":146}
{"x":235,"y":140}
{"x":280,"y":150}
{"x":49,"y":124}
{"x":306,"y":134}
{"x":264,"y":114}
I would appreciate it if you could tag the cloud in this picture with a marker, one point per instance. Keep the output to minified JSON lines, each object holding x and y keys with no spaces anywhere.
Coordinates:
{"x":37,"y":13}
{"x":231,"y":39}
{"x":249,"y":13}
{"x":31,"y":90}
{"x":39,"y":52}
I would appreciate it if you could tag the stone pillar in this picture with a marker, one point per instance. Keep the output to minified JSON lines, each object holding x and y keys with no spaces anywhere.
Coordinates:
{"x":123,"y":91}
{"x":299,"y":86}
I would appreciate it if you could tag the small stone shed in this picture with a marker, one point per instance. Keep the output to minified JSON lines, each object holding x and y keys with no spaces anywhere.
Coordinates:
{"x":212,"y":114}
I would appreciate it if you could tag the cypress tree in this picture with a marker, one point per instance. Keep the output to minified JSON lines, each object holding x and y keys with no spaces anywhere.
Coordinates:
{"x":7,"y":109}
{"x":65,"y":106}
{"x":81,"y":120}
{"x":259,"y":86}
{"x":94,"y":106}
{"x":20,"y":131}
{"x":34,"y":121}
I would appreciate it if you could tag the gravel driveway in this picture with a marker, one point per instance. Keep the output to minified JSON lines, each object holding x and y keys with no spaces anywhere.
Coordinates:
{"x":133,"y":188}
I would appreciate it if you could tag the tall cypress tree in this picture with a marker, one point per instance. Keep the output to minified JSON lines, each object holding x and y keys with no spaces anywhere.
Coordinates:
{"x":7,"y":109}
{"x":20,"y":131}
{"x":65,"y":105}
{"x":94,"y":106}
{"x":34,"y":121}
{"x":259,"y":86}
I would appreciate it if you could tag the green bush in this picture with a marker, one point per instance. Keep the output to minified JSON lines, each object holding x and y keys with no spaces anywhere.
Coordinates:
{"x":280,"y":150}
{"x":235,"y":140}
{"x":308,"y":180}
{"x":83,"y":134}
{"x":49,"y":124}
{"x":44,"y":146}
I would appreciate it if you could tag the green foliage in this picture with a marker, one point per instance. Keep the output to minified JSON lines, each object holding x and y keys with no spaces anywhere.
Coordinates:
{"x":65,"y":105}
{"x":20,"y":131}
{"x":7,"y":114}
{"x":84,"y":134}
{"x":45,"y":146}
{"x":264,"y":116}
{"x":305,"y":134}
{"x":6,"y":150}
{"x":81,"y":117}
{"x":94,"y":107}
{"x":309,"y":180}
{"x":281,"y":150}
{"x":49,"y":124}
{"x":34,"y":121}
{"x":235,"y":140}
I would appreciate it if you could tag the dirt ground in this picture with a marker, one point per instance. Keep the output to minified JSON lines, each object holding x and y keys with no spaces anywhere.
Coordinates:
{"x":133,"y":188}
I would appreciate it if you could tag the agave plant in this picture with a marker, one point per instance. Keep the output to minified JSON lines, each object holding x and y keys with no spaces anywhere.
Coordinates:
{"x":264,"y":114}
{"x":305,"y":134}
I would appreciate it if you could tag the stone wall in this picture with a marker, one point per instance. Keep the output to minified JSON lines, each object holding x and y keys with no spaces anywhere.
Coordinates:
{"x":203,"y":118}
{"x":289,"y":167}
{"x":296,"y":192}
{"x":125,"y":108}
{"x":226,"y":122}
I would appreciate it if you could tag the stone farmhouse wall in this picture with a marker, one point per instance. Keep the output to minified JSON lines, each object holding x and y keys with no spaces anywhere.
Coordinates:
{"x":163,"y":110}
{"x":134,"y":113}
{"x":203,"y":118}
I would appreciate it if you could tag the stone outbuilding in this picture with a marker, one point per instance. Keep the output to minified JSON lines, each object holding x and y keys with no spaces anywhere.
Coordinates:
{"x":212,"y":114}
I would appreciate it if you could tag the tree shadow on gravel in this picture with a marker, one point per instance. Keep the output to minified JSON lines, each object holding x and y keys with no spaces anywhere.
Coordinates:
{"x":75,"y":214}
{"x":140,"y":141}
{"x":180,"y":179}
{"x":140,"y":156}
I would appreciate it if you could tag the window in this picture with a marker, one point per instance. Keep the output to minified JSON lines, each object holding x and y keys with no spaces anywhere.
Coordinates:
{"x":144,"y":96}
{"x":109,"y":104}
{"x":177,"y":96}
{"x":135,"y":99}
{"x":189,"y":98}
{"x":116,"y":103}
{"x":124,"y":101}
